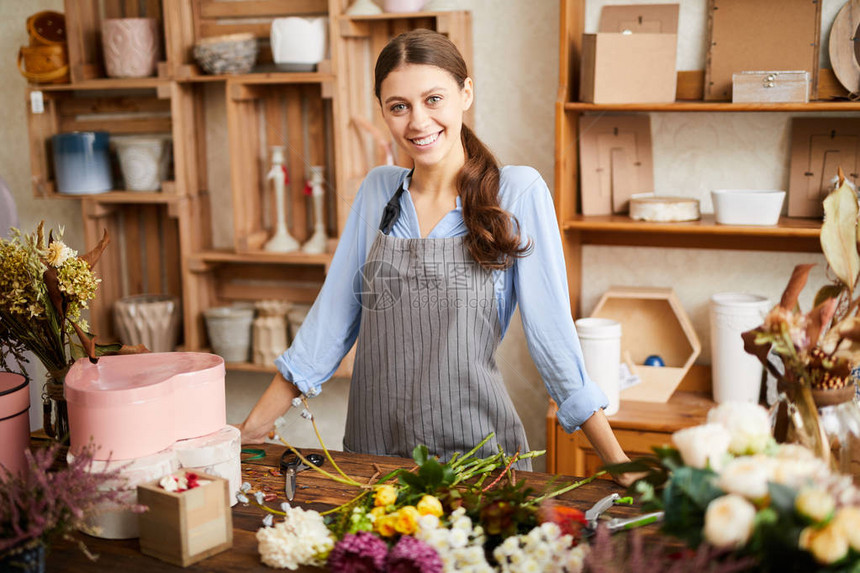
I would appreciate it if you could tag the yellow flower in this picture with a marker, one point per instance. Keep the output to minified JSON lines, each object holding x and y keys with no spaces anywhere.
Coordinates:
{"x":385,"y":525}
{"x":406,"y":520}
{"x":848,"y":519}
{"x":377,"y":512}
{"x":429,"y":505}
{"x":385,"y":495}
{"x":814,"y":504}
{"x":827,"y":544}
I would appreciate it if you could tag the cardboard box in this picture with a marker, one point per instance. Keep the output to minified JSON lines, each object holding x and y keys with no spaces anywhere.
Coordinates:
{"x":770,"y":87}
{"x":185,"y":527}
{"x":632,"y":57}
{"x":652,"y":322}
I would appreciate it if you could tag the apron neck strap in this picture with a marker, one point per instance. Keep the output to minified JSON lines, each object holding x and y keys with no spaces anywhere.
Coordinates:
{"x":392,"y":209}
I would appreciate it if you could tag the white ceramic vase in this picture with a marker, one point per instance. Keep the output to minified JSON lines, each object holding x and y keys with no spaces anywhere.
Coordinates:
{"x":143,"y":160}
{"x":363,"y":8}
{"x":148,"y":319}
{"x":736,"y":375}
{"x":600,"y":339}
{"x":229,"y":330}
{"x":270,"y":330}
{"x":299,"y":44}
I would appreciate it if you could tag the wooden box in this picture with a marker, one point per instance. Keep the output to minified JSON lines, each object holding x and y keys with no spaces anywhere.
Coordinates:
{"x":770,"y":87}
{"x":652,"y":322}
{"x":186,"y":527}
{"x":632,"y":57}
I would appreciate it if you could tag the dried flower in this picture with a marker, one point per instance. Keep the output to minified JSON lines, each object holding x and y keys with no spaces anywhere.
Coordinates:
{"x":412,"y":555}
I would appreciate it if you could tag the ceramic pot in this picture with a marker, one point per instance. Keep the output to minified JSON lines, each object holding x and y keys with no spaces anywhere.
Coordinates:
{"x":736,"y":374}
{"x":299,"y":44}
{"x":363,"y":8}
{"x":270,"y":330}
{"x":229,"y":330}
{"x":130,"y":46}
{"x":14,"y":421}
{"x":82,"y":162}
{"x":600,"y":339}
{"x":403,"y":5}
{"x":143,"y":161}
{"x":148,"y":319}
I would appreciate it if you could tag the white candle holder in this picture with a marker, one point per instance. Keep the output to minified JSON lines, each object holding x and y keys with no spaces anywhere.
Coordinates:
{"x":317,"y":243}
{"x":281,"y":241}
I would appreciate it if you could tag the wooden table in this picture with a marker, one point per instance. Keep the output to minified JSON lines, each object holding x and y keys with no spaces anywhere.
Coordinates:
{"x":314,"y":491}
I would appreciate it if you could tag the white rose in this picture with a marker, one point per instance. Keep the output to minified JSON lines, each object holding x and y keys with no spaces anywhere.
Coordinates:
{"x":796,"y":472}
{"x":748,"y":424}
{"x":746,"y":476}
{"x":827,"y":544}
{"x":703,"y":446}
{"x":729,"y":521}
{"x":816,"y":504}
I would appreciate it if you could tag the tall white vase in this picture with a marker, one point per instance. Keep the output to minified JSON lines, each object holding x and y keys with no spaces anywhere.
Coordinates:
{"x":736,"y":375}
{"x":600,"y":339}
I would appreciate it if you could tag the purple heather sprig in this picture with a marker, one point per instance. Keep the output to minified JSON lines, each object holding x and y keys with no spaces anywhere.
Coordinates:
{"x":413,"y":555}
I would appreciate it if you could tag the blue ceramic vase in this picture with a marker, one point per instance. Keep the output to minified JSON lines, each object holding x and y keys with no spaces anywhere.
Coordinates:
{"x":82,"y":162}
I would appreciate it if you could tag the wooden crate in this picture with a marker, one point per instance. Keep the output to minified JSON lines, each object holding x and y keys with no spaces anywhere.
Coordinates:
{"x":83,"y":28}
{"x":138,"y":111}
{"x":190,"y":21}
{"x":296,"y":117}
{"x":145,"y":255}
{"x":185,"y":527}
{"x":361,"y":40}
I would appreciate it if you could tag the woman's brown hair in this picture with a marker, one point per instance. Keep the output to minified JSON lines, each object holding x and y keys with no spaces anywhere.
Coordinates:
{"x":493,"y":238}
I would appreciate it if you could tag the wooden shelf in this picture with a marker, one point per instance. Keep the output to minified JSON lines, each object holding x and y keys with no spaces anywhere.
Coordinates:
{"x":297,"y":258}
{"x":129,"y":197}
{"x":792,"y":235}
{"x":395,"y":16}
{"x":103,"y":84}
{"x":265,"y":78}
{"x":343,"y":371}
{"x":715,"y":106}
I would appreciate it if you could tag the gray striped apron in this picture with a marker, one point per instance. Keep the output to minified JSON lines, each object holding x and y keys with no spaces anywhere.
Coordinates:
{"x":425,"y":369}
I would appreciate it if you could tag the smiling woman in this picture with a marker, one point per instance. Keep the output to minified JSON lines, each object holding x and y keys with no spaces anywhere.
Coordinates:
{"x":428,"y":292}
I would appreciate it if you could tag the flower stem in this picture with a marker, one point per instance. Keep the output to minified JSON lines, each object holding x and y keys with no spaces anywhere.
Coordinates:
{"x":567,"y":488}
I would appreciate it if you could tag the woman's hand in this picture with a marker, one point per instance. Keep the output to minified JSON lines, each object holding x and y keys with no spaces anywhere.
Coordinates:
{"x":274,"y":402}
{"x":599,"y":433}
{"x":249,"y":436}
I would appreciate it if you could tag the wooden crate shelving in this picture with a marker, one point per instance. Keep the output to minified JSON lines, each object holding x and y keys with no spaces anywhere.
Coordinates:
{"x":130,"y":112}
{"x":296,"y":117}
{"x":83,"y":30}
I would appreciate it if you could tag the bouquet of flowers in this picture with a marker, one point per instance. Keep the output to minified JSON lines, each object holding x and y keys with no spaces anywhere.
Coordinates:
{"x":466,"y":514}
{"x":727,"y":484}
{"x":44,"y":288}
{"x":818,"y":350}
{"x":39,"y":505}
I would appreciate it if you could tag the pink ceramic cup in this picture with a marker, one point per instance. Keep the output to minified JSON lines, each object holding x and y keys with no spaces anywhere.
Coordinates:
{"x":131,"y":47}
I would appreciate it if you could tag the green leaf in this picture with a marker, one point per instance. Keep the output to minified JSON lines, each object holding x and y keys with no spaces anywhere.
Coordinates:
{"x":839,"y":234}
{"x":782,"y":498}
{"x":411,"y":480}
{"x":448,"y":476}
{"x":430,"y":473}
{"x":420,"y":454}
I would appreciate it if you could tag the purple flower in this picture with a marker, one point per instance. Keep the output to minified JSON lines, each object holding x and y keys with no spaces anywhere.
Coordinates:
{"x":412,"y":555}
{"x":362,"y":552}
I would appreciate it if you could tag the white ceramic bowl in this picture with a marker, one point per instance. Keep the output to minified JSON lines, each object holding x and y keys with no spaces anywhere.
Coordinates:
{"x":747,"y":206}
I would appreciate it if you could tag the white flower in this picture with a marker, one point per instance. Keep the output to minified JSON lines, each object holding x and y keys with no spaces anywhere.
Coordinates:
{"x":748,"y":424}
{"x":242,"y":498}
{"x":746,"y":476}
{"x":59,"y":253}
{"x":301,"y":539}
{"x":729,"y":521}
{"x":246,"y":487}
{"x":268,"y":520}
{"x":260,"y":497}
{"x":796,"y":472}
{"x":814,"y":503}
{"x":703,"y":446}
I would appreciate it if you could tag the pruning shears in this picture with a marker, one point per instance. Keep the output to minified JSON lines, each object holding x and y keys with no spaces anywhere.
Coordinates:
{"x":592,"y":516}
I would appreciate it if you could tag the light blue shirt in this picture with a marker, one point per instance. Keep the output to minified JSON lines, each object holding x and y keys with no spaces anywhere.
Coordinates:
{"x":537,"y":281}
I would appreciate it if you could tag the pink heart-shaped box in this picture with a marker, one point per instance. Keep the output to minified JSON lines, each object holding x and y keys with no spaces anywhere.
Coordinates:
{"x":136,"y":405}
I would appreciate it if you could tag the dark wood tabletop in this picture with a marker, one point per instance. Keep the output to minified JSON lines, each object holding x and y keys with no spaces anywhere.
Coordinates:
{"x":314,"y":491}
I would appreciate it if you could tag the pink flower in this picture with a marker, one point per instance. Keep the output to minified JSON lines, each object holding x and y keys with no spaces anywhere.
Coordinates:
{"x":362,"y":552}
{"x":413,"y":555}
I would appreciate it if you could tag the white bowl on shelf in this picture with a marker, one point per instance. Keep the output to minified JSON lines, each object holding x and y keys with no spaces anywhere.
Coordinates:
{"x":747,"y":206}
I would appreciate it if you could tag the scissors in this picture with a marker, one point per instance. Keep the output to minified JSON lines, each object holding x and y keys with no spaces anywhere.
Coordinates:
{"x":292,"y":465}
{"x":592,"y":516}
